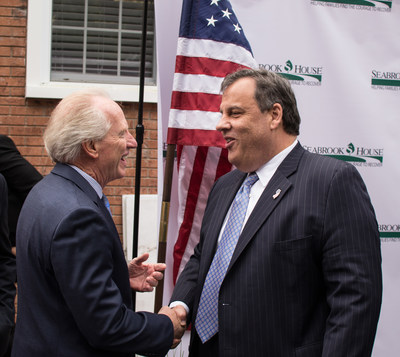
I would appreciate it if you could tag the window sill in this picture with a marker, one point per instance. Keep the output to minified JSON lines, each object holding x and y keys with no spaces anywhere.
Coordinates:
{"x":118,"y":92}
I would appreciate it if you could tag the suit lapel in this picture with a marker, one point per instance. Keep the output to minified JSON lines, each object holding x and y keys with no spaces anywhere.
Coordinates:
{"x":273,"y":194}
{"x":72,"y":175}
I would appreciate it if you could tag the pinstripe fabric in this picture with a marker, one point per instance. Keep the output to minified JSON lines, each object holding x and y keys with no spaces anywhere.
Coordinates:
{"x":305,"y":277}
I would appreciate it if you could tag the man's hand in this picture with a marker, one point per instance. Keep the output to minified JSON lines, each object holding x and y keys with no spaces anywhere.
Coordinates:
{"x":144,"y":277}
{"x":180,"y":312}
{"x":179,"y":325}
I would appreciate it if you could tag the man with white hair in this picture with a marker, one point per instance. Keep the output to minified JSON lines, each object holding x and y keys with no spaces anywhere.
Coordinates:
{"x":74,"y":285}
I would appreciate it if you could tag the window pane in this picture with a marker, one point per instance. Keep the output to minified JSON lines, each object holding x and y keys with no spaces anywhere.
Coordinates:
{"x":100,"y":41}
{"x":103,"y":14}
{"x":67,"y":50}
{"x":130,"y":59}
{"x":102,"y":53}
{"x":131,"y":20}
{"x":68,"y":13}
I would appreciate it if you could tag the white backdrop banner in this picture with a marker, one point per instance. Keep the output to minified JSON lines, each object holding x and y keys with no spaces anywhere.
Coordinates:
{"x":342,"y":58}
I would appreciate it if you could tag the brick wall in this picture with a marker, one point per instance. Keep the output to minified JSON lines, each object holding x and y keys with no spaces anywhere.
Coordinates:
{"x":24,"y":119}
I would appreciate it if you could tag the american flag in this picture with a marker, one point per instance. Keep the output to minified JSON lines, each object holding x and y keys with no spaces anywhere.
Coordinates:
{"x":211,"y":44}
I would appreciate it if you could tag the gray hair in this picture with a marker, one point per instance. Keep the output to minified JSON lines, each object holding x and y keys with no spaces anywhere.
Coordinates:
{"x":271,"y":88}
{"x":75,"y":120}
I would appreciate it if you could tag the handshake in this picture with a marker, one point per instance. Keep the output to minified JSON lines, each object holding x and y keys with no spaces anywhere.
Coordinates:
{"x":145,"y":277}
{"x":178,"y":317}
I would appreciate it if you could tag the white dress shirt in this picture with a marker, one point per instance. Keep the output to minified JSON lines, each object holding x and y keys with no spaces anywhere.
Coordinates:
{"x":264,"y":174}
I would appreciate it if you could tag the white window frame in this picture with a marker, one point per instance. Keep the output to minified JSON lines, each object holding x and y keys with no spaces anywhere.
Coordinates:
{"x":38,"y":63}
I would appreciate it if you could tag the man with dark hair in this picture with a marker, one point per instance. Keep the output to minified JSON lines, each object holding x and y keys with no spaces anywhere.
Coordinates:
{"x":289,"y":260}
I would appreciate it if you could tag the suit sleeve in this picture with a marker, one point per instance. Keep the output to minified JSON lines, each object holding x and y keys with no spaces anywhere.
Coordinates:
{"x":83,"y":255}
{"x":351,"y":264}
{"x":7,"y":273}
{"x":19,"y":173}
{"x":185,"y":288}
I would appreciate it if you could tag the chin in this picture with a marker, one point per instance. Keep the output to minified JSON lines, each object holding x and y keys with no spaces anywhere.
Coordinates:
{"x":121,"y":171}
{"x":231,"y":158}
{"x":236,"y":161}
{"x":241,"y":166}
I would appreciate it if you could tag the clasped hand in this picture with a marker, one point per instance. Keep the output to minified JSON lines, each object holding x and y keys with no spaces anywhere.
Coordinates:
{"x":144,"y":277}
{"x":178,"y":319}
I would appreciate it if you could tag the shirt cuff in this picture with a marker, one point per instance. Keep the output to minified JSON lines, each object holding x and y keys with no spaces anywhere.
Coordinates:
{"x":181,"y":303}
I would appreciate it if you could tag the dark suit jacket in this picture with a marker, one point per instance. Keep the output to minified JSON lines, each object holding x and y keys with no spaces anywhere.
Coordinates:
{"x":305,"y":278}
{"x":74,"y":297}
{"x":7,"y":274}
{"x":20,"y":175}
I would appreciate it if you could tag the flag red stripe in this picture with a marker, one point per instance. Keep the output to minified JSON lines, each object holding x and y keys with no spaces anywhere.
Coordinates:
{"x":195,"y":101}
{"x":190,"y":207}
{"x":204,"y":65}
{"x":224,"y":166}
{"x":185,"y":231}
{"x":179,"y":149}
{"x":195,"y":137}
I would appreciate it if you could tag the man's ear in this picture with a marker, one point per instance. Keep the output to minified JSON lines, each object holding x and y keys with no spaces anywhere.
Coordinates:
{"x":277,"y":114}
{"x":90,"y":148}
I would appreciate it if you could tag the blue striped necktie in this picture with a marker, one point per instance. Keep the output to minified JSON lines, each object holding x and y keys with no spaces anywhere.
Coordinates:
{"x":207,"y":315}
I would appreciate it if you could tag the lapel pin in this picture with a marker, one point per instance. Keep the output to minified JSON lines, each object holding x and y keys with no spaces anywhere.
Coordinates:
{"x":277,"y":193}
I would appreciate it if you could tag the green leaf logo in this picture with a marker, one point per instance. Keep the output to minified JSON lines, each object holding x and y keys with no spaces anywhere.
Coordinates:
{"x":350,"y":148}
{"x":289,"y":66}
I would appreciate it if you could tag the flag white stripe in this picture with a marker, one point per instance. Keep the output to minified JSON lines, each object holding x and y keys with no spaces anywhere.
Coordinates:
{"x":193,"y":119}
{"x":215,"y":50}
{"x":197,"y":83}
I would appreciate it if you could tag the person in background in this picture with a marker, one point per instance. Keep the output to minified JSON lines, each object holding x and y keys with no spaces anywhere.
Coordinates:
{"x":74,"y":286}
{"x":289,"y":259}
{"x":21,"y":176}
{"x":7,"y":277}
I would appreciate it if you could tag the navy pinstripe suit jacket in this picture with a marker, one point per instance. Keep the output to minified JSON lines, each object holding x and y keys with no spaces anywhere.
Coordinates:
{"x":305,"y":278}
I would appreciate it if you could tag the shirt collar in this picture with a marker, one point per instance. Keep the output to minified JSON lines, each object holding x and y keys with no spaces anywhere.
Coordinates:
{"x":96,"y":186}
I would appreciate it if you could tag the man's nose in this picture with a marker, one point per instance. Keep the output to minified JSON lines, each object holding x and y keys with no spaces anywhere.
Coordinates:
{"x":131,"y":143}
{"x":222,"y":123}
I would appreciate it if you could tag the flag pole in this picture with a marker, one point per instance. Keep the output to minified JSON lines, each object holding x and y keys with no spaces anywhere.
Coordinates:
{"x":139,"y":139}
{"x":162,"y":238}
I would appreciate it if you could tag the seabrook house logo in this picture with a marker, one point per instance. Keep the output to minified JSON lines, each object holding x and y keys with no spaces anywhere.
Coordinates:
{"x":367,"y":5}
{"x":389,"y":232}
{"x":385,"y":80}
{"x":299,"y":74}
{"x":358,"y":156}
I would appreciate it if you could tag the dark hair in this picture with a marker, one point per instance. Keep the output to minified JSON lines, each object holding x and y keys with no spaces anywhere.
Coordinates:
{"x":271,"y":88}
